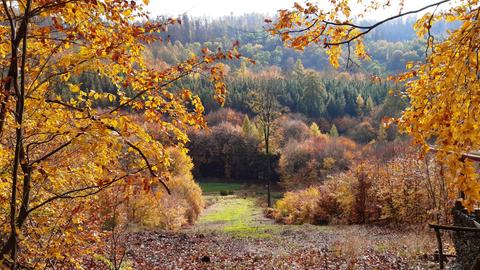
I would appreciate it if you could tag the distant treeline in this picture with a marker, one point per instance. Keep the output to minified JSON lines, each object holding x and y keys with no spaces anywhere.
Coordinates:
{"x":390,"y":46}
{"x":313,"y":94}
{"x":310,"y":93}
{"x":249,"y":29}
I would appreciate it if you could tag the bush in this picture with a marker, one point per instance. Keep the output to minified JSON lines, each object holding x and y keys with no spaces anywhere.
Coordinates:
{"x":157,"y":209}
{"x":226,"y":192}
{"x":356,"y":194}
{"x":401,"y":190}
{"x":313,"y":205}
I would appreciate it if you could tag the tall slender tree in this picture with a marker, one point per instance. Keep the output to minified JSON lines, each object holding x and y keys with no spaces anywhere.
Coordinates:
{"x":264,"y":104}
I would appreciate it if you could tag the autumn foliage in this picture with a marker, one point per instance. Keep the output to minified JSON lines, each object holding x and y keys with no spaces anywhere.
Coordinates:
{"x":399,"y":190}
{"x":225,"y":151}
{"x":58,"y":151}
{"x":77,"y":162}
{"x":156,"y":209}
{"x":315,"y":205}
{"x":309,"y":162}
{"x":441,"y":90}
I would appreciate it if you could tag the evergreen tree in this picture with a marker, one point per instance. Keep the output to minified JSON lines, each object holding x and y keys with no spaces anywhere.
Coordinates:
{"x":315,"y":130}
{"x":360,"y":104}
{"x":249,"y":128}
{"x":369,"y":105}
{"x":334,"y":131}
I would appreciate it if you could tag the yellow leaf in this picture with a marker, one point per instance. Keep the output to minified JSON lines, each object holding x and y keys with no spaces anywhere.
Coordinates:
{"x":74,"y":88}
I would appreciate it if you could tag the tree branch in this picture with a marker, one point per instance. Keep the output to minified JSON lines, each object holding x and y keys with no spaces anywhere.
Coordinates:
{"x":69,"y":194}
{"x":141,"y":93}
{"x":371,"y":27}
{"x":56,"y":150}
{"x":144,"y":157}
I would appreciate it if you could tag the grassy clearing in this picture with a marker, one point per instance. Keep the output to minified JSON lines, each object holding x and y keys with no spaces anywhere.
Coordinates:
{"x":238,"y":221}
{"x":236,"y":216}
{"x":241,"y":217}
{"x":216,"y":187}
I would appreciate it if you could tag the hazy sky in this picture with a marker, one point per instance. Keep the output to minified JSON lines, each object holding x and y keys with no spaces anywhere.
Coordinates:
{"x":215,"y":8}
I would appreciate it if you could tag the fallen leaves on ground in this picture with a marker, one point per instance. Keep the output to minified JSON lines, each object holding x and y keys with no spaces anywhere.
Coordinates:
{"x":294,"y":250}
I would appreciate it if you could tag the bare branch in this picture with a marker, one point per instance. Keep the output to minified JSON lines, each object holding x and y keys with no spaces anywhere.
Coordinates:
{"x":56,"y":150}
{"x":371,"y":27}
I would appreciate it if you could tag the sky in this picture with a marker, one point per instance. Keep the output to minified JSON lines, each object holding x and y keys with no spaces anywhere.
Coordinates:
{"x":216,"y":8}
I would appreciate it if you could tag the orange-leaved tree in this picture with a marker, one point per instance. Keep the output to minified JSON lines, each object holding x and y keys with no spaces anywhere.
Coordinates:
{"x":442,"y":89}
{"x":57,"y":151}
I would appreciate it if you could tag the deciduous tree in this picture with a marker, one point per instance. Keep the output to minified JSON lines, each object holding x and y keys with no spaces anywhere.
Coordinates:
{"x":442,"y":89}
{"x":58,"y":153}
{"x":264,"y":103}
{"x":315,"y":130}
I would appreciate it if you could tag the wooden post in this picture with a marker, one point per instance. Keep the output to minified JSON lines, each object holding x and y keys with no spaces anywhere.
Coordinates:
{"x":440,"y":247}
{"x":437,"y":229}
{"x":476,"y":264}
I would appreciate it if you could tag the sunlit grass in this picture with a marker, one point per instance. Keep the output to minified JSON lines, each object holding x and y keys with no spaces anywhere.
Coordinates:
{"x":236,"y":216}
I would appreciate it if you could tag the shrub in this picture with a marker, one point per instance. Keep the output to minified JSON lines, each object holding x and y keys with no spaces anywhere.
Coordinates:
{"x":357,"y":195}
{"x":400,"y":190}
{"x":157,"y":209}
{"x":313,"y":205}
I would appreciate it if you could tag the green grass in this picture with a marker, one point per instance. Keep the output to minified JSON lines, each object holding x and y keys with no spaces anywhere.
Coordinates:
{"x":235,"y":216}
{"x":216,"y":187}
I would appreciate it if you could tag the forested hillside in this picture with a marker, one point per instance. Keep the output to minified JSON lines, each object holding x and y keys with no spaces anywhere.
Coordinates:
{"x":304,"y":82}
{"x":389,"y":50}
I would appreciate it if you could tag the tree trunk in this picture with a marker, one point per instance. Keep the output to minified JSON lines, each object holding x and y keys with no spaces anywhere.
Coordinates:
{"x":268,"y":174}
{"x":11,"y":245}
